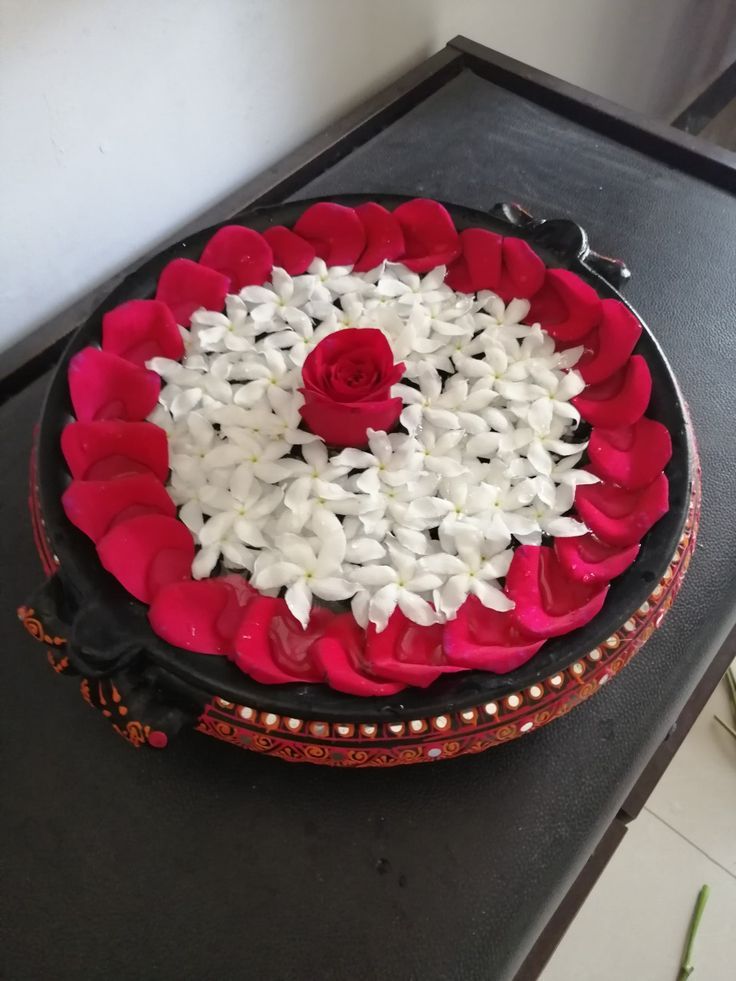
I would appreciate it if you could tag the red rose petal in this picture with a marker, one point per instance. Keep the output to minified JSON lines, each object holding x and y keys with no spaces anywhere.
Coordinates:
{"x":146,"y":553}
{"x":140,"y":330}
{"x":335,"y":231}
{"x":384,"y":239}
{"x":185,"y":286}
{"x":94,"y":506}
{"x":253,"y":654}
{"x":346,"y":424}
{"x":566,"y":307}
{"x":291,"y":644}
{"x":347,"y":379}
{"x":622,"y":517}
{"x":407,"y":652}
{"x":241,"y":254}
{"x":522,"y":271}
{"x":590,"y":561}
{"x":548,"y":602}
{"x":486,"y":640}
{"x":620,"y":400}
{"x":110,"y":449}
{"x":290,"y":251}
{"x":430,"y":237}
{"x":341,"y":654}
{"x":201,"y":616}
{"x":609,"y":345}
{"x":478,"y":267}
{"x":630,"y":456}
{"x":106,"y":386}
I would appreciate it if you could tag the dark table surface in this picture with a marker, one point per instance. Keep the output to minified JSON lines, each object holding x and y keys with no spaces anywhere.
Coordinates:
{"x":205,"y":861}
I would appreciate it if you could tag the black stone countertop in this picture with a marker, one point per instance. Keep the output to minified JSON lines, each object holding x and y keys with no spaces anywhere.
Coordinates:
{"x":203,"y":861}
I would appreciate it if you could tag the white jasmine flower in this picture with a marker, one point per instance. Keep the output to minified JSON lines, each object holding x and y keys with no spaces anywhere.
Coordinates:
{"x":280,"y":304}
{"x":234,"y":330}
{"x":409,"y":289}
{"x":242,"y":446}
{"x":264,"y":371}
{"x":550,"y":519}
{"x":333,"y":281}
{"x":425,"y":403}
{"x":456,"y":504}
{"x":470,"y":572}
{"x":442,"y":454}
{"x":315,"y":476}
{"x":393,"y":460}
{"x":549,"y":396}
{"x":400,"y":584}
{"x":307,"y":568}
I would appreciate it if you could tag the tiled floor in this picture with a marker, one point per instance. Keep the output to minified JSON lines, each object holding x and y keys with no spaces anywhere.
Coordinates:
{"x":633,"y":925}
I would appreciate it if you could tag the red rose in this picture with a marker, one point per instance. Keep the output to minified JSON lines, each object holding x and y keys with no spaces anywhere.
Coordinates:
{"x":347,"y":387}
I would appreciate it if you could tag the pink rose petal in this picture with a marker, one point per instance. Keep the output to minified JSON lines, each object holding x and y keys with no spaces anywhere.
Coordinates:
{"x":341,"y":654}
{"x":548,"y":602}
{"x":140,"y":330}
{"x":290,"y":251}
{"x":106,"y":386}
{"x":486,"y":640}
{"x":94,"y":506}
{"x":630,"y":456}
{"x":110,"y":449}
{"x":620,"y":400}
{"x":146,"y":553}
{"x":522,"y":271}
{"x":185,"y":286}
{"x":609,"y":345}
{"x":590,"y":561}
{"x":566,"y":307}
{"x":407,"y":652}
{"x":478,"y":267}
{"x":201,"y":616}
{"x":622,"y":517}
{"x":241,"y":254}
{"x":430,"y":236}
{"x":271,"y":646}
{"x":335,"y":231}
{"x":384,"y":239}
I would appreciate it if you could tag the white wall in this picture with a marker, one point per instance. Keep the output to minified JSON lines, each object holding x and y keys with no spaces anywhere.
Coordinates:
{"x":120,"y":121}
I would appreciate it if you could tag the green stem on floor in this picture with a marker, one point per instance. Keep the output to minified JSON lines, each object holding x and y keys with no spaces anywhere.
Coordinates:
{"x":726,"y":726}
{"x":731,"y":681}
{"x":686,"y":968}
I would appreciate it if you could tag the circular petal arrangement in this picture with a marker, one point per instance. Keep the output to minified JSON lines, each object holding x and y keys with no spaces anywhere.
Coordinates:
{"x":367,"y":450}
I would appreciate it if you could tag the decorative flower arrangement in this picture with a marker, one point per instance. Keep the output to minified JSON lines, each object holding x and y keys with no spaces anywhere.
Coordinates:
{"x":367,"y":450}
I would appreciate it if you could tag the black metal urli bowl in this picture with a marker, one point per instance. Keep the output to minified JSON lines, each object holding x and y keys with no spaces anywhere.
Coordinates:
{"x":103,"y":619}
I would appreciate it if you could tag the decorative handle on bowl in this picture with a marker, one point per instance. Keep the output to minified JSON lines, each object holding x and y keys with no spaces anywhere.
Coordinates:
{"x":566,"y":239}
{"x":117,"y":679}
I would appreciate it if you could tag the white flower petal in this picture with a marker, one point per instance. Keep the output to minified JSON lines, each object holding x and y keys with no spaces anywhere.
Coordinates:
{"x":205,"y":561}
{"x":382,"y":605}
{"x":299,"y":600}
{"x":277,"y":574}
{"x":443,"y":565}
{"x":333,"y":588}
{"x":413,"y":540}
{"x":565,"y":527}
{"x":216,"y":528}
{"x":364,"y":550}
{"x":491,"y":596}
{"x":416,"y":608}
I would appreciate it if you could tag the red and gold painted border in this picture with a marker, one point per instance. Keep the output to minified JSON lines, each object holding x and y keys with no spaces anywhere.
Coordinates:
{"x":420,"y":740}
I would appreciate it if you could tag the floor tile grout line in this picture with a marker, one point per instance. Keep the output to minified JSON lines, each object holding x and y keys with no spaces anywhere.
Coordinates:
{"x":691,"y":843}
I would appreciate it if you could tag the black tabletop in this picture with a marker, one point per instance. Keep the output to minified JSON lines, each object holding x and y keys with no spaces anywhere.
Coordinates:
{"x":205,"y":861}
